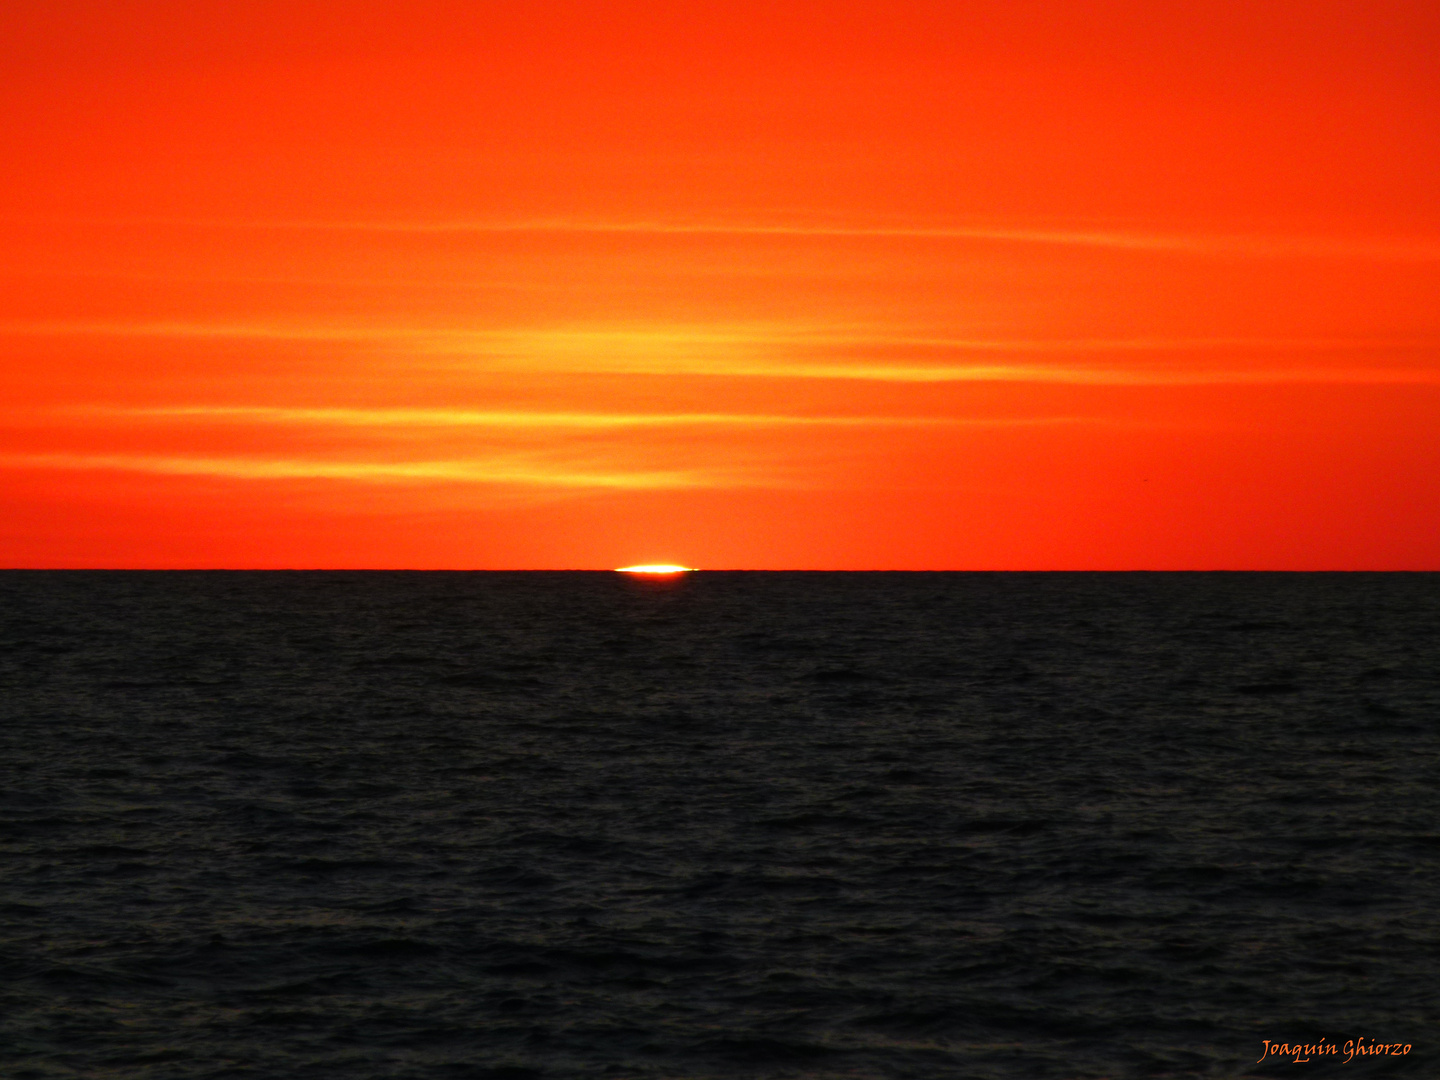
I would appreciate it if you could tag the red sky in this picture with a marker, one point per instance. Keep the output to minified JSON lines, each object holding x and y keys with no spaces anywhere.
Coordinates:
{"x":753,"y":285}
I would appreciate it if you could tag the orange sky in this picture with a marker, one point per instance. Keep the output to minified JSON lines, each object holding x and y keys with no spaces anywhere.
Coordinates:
{"x":755,"y":285}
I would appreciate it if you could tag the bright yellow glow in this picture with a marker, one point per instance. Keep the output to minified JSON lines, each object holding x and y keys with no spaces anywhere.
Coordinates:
{"x":654,"y":568}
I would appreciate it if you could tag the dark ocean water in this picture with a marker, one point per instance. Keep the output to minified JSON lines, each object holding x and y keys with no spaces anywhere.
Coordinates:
{"x":739,"y":825}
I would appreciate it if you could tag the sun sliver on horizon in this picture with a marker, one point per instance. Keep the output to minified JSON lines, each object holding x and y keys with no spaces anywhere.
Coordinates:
{"x":654,"y":568}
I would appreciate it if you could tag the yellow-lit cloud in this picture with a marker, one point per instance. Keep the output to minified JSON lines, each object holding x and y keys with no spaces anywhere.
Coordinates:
{"x":498,"y":472}
{"x":784,"y":352}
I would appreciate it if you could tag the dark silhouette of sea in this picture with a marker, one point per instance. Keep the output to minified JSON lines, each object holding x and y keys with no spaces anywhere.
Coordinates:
{"x":486,"y":825}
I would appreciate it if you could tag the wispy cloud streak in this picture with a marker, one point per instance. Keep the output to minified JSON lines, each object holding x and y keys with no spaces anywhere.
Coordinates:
{"x":802,"y":353}
{"x":491,"y":419}
{"x":1112,"y":237}
{"x":493,"y":472}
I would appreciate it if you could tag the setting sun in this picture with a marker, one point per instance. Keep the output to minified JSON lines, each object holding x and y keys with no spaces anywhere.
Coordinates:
{"x":654,"y":568}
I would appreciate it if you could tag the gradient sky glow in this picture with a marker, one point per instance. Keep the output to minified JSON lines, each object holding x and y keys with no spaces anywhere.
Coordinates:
{"x":913,"y":285}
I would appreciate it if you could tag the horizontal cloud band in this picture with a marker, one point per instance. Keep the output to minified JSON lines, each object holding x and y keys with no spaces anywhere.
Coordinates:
{"x":411,"y":472}
{"x":788,"y":353}
{"x":1373,"y":248}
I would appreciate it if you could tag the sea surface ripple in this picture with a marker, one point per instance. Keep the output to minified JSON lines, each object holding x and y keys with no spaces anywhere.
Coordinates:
{"x":525,"y":825}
